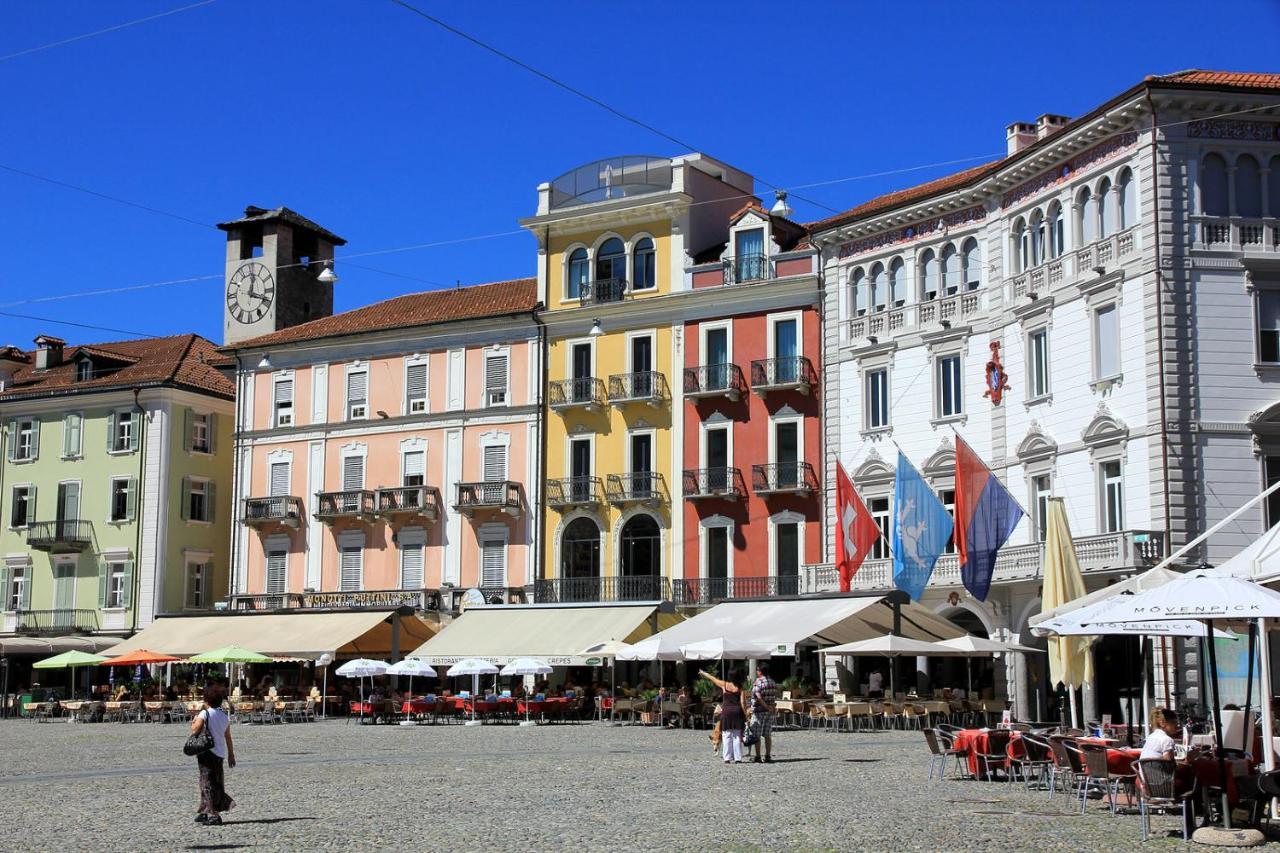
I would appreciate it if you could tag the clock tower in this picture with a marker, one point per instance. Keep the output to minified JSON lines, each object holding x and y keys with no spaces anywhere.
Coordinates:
{"x":274,"y":261}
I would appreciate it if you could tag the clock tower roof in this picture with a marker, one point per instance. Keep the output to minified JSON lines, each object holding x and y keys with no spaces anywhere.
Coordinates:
{"x":259,"y":215}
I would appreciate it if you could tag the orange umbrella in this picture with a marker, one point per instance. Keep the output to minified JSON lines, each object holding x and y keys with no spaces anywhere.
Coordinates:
{"x":141,"y":656}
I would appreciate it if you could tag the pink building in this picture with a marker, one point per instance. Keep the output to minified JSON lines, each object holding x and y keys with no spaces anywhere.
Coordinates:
{"x":389,"y":454}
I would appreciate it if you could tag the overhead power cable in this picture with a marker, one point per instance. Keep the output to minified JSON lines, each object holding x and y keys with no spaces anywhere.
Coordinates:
{"x":110,"y":29}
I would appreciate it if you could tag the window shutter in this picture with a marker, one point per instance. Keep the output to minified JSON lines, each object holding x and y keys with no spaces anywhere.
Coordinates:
{"x":208,"y":501}
{"x":495,"y":378}
{"x":357,"y":391}
{"x":188,"y":427}
{"x":35,"y":438}
{"x":416,"y":388}
{"x":135,"y":426}
{"x":279,"y":479}
{"x":104,"y":578}
{"x":411,"y":566}
{"x":31,"y":505}
{"x":111,"y":431}
{"x":126,"y":593}
{"x":352,"y":563}
{"x":495,"y":463}
{"x":25,"y":603}
{"x":415,"y":464}
{"x":131,"y":504}
{"x":212,"y":431}
{"x":4,"y":588}
{"x":13,"y":440}
{"x":186,"y":499}
{"x":70,"y":435}
{"x":277,"y":572}
{"x":493,"y":563}
{"x":284,"y":391}
{"x":352,"y":473}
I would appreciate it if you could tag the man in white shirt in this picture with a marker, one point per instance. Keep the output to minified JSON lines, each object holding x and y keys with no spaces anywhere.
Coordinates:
{"x":1161,"y":742}
{"x":875,"y":684}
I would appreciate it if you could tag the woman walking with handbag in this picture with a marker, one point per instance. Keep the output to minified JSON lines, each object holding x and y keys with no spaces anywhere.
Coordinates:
{"x":211,"y":744}
{"x":733,"y":714}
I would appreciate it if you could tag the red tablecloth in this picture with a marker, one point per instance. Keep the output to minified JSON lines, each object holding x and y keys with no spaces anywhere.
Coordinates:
{"x":1120,"y":760}
{"x":975,"y":741}
{"x":418,"y":706}
{"x":1206,"y":770}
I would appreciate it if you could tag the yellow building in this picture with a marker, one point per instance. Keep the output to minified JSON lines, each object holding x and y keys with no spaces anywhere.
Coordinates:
{"x":615,"y":238}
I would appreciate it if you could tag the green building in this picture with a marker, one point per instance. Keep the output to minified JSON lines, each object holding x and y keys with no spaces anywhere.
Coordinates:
{"x":114,"y":478}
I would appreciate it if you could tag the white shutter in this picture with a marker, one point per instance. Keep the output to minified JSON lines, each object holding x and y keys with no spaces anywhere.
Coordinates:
{"x":351,"y":568}
{"x":493,"y":562}
{"x":495,"y":380}
{"x":357,"y":395}
{"x":416,"y":389}
{"x":277,"y":571}
{"x":279,"y":479}
{"x":415,"y":464}
{"x":284,"y":402}
{"x":495,"y":463}
{"x":411,"y":566}
{"x":352,"y":473}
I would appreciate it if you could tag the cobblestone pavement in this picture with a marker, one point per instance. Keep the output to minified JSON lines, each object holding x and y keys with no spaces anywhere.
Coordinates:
{"x":330,"y":785}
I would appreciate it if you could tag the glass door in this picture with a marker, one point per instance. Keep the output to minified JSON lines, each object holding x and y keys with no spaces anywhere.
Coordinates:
{"x":786,"y":453}
{"x":785,"y":350}
{"x":716,"y":359}
{"x":582,"y":373}
{"x":717,"y":459}
{"x":580,"y":469}
{"x":641,"y":365}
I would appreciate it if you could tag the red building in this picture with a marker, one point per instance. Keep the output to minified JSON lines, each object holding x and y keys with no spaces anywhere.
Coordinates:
{"x":752,"y":410}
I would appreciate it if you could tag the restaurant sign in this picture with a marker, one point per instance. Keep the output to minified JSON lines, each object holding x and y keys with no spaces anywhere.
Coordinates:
{"x":503,"y":660}
{"x":370,"y":598}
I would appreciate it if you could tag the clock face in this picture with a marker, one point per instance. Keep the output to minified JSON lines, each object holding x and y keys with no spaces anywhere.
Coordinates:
{"x":250,"y":293}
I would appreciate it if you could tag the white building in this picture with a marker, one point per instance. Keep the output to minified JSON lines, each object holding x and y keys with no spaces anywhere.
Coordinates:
{"x":1124,"y":264}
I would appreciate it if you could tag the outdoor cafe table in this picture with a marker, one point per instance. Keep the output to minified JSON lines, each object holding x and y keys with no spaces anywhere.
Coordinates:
{"x":418,"y":707}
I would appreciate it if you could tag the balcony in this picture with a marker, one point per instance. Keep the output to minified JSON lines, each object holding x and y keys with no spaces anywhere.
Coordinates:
{"x":1128,"y":550}
{"x":1233,"y":233}
{"x":446,"y":600}
{"x":889,"y":321}
{"x":585,"y":392}
{"x":352,"y":503}
{"x":748,"y":268}
{"x":644,"y":487}
{"x":65,"y":536}
{"x":645,"y":387}
{"x":282,"y":509}
{"x":570,"y":492}
{"x":792,"y":373}
{"x":714,"y":380}
{"x":783,"y":478}
{"x":603,"y":291}
{"x":700,"y":592}
{"x":57,"y":621}
{"x":498,"y":495}
{"x":408,"y":502}
{"x":1054,"y":273}
{"x":714,"y":483}
{"x":634,"y":588}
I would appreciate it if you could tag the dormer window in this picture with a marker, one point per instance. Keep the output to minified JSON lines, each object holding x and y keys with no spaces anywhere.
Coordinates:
{"x":84,"y":370}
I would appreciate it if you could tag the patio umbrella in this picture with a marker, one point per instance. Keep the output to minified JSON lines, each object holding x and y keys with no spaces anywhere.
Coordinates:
{"x":141,"y":657}
{"x":610,"y":649}
{"x":893,"y":646}
{"x":722,"y":649}
{"x":230,"y":654}
{"x":655,"y":648}
{"x":361,"y":668}
{"x":972,"y":647}
{"x":1070,"y":662}
{"x":527,"y":666}
{"x":69,"y":660}
{"x":474,"y":667}
{"x":411,"y":667}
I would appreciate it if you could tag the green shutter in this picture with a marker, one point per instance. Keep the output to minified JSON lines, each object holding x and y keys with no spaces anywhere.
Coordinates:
{"x":209,"y":503}
{"x":31,"y":507}
{"x":104,"y":578}
{"x":35,"y":438}
{"x":212,"y":421}
{"x":111,"y":431}
{"x":4,"y":587}
{"x":138,"y":418}
{"x":187,"y":419}
{"x":131,"y":505}
{"x":13,"y":440}
{"x":26,"y":588}
{"x":185,"y":509}
{"x":126,"y":595}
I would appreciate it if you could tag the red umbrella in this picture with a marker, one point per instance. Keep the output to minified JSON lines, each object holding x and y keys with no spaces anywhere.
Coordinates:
{"x":141,"y":656}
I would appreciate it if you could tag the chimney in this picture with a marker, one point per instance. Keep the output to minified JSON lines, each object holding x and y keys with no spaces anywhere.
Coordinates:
{"x":1019,"y":135}
{"x":1049,"y":124}
{"x":49,"y":351}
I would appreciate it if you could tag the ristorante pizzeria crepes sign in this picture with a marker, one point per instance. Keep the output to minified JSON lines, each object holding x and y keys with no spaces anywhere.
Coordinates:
{"x":373,"y":598}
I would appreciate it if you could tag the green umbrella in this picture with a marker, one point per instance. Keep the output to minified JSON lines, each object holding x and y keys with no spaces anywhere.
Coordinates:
{"x":230,"y":654}
{"x":71,"y":660}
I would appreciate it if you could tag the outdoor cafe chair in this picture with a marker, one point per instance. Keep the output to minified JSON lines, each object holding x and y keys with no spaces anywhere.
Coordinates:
{"x":1096,"y":776}
{"x":860,"y":716}
{"x":914,"y":716}
{"x":1158,"y":791}
{"x":941,"y":748}
{"x":996,"y":752}
{"x":817,"y":718}
{"x":1033,"y":761}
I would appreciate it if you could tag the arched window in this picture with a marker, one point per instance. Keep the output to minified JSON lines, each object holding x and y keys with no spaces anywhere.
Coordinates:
{"x":1037,"y":238}
{"x":1021,"y":251}
{"x":1087,"y":226}
{"x":928,"y":275}
{"x":580,"y":550}
{"x":971,"y":263}
{"x":1213,"y":186}
{"x":643,"y":265}
{"x":876,"y":293}
{"x":1127,"y":200}
{"x":1273,"y":187}
{"x":950,"y":270}
{"x":897,"y":283}
{"x":579,"y":273}
{"x":611,"y":260}
{"x":1248,"y":187}
{"x":857,"y":301}
{"x":640,"y":547}
{"x":1057,"y":231}
{"x":1106,"y":208}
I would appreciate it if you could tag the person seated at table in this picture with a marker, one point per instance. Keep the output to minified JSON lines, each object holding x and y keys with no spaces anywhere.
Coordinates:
{"x":377,"y":695}
{"x":1163,"y":739}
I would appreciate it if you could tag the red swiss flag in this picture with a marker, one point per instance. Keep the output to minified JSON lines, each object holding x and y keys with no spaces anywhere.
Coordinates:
{"x":856,"y":530}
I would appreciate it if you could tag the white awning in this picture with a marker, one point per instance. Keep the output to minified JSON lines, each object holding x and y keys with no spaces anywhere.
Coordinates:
{"x":365,"y":633}
{"x":785,"y":624}
{"x":556,"y":634}
{"x":54,"y":645}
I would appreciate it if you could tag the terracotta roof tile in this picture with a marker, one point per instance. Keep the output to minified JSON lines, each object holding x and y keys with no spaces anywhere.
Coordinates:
{"x":177,"y":360}
{"x":905,"y":196}
{"x":1210,"y":79}
{"x":415,"y":309}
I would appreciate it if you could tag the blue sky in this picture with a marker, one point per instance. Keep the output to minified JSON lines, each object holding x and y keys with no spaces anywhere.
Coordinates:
{"x":392,"y":132}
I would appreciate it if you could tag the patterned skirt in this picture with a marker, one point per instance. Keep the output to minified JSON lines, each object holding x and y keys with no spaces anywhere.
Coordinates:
{"x":213,"y":796}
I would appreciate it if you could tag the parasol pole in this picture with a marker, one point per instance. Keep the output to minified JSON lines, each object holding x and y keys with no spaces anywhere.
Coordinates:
{"x":1217,"y":722}
{"x":1245,"y":746}
{"x":1268,"y":723}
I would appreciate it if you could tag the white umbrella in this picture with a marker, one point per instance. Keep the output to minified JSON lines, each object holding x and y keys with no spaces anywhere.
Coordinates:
{"x":1097,"y":620}
{"x":893,"y":646}
{"x":527,"y":666}
{"x":722,"y":649}
{"x":656,"y":648}
{"x":973,"y":646}
{"x":361,"y":668}
{"x":411,"y":667}
{"x":474,"y":667}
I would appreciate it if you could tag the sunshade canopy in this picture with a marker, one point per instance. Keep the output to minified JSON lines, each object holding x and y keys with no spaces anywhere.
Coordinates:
{"x":657,"y":647}
{"x":303,"y":634}
{"x":893,"y":646}
{"x":231,"y":654}
{"x":528,"y":666}
{"x":1149,"y":579}
{"x":411,"y":667}
{"x":783,"y":624}
{"x":66,"y":659}
{"x":1259,"y":561}
{"x":11,"y":646}
{"x":723,"y":649}
{"x":140,"y":656}
{"x":472,"y":666}
{"x":362,"y":668}
{"x":1201,"y":594}
{"x":1094,"y":620}
{"x":556,"y":634}
{"x":971,"y":645}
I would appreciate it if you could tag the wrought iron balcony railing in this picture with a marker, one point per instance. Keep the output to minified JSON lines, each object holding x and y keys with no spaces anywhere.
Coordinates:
{"x":703,"y":591}
{"x":639,"y":487}
{"x":724,"y":483}
{"x":496,"y":494}
{"x":57,"y":621}
{"x":604,"y":290}
{"x":584,"y":392}
{"x":783,"y":478}
{"x":64,"y":536}
{"x":633,"y":588}
{"x":575,"y":491}
{"x":745,"y":268}
{"x":714,"y":380}
{"x":648,"y":386}
{"x":281,"y":509}
{"x":792,"y":373}
{"x":351,"y":503}
{"x":423,"y":501}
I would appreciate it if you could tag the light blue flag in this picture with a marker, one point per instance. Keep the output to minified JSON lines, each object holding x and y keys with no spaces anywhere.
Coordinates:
{"x":921,"y":527}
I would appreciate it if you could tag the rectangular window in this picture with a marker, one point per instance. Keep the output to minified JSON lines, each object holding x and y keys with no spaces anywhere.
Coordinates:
{"x":22,"y":510}
{"x":123,"y":437}
{"x":495,"y":380}
{"x":200,"y":433}
{"x":121,"y":498}
{"x":495,"y":463}
{"x":84,"y":370}
{"x":279,"y":479}
{"x":115,"y":584}
{"x":26,"y":440}
{"x":357,"y":396}
{"x":415,"y":388}
{"x":411,"y":566}
{"x":352,"y":568}
{"x":879,"y":509}
{"x":1041,"y":489}
{"x":1112,"y":496}
{"x":198,"y":500}
{"x":68,"y":501}
{"x":16,"y":593}
{"x":72,"y":433}
{"x":641,"y":453}
{"x":415,"y":468}
{"x":718,"y":561}
{"x":283,"y":402}
{"x":787,"y":557}
{"x":877,"y":399}
{"x":493,"y":562}
{"x":948,"y":497}
{"x":1269,"y":326}
{"x":198,"y":575}
{"x":277,"y":572}
{"x":1038,"y":363}
{"x":1106,"y":342}
{"x":1272,"y":473}
{"x":948,"y":392}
